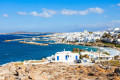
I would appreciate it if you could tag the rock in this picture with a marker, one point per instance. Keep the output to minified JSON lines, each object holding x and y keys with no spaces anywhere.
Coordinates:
{"x":56,"y":71}
{"x":117,"y":71}
{"x":4,"y":71}
{"x":111,"y":75}
{"x":91,"y":74}
{"x":80,"y":66}
{"x":116,"y":78}
{"x":24,"y":78}
{"x":2,"y":78}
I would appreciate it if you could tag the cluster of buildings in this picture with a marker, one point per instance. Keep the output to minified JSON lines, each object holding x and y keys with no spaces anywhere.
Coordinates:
{"x":68,"y":56}
{"x":115,"y":32}
{"x":76,"y":36}
{"x":87,"y":36}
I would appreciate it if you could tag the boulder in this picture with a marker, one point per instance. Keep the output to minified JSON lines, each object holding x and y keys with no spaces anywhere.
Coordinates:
{"x":116,"y":78}
{"x":2,"y":77}
{"x":117,"y":71}
{"x":91,"y":74}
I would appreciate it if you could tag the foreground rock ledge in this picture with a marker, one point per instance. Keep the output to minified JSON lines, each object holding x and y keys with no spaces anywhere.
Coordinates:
{"x":56,"y":71}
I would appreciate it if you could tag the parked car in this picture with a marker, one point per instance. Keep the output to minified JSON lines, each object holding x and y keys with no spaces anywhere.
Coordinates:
{"x":78,"y":61}
{"x":93,"y":61}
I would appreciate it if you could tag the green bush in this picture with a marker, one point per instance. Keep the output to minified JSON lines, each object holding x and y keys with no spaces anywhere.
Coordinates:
{"x":106,"y":53}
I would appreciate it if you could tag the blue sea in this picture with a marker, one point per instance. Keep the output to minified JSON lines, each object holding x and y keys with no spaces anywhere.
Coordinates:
{"x":15,"y":51}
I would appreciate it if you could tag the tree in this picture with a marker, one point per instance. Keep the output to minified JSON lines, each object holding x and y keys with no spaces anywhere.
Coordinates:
{"x":80,"y":56}
{"x":106,"y":53}
{"x":106,"y":35}
{"x":85,"y":56}
{"x":118,"y":35}
{"x":76,"y":50}
{"x":116,"y":57}
{"x":98,"y":40}
{"x":90,"y":32}
{"x":81,"y":50}
{"x":63,"y":39}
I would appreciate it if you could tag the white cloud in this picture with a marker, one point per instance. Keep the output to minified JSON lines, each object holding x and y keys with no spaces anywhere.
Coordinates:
{"x":22,"y":13}
{"x":45,"y":13}
{"x":68,"y":12}
{"x":34,"y":13}
{"x":96,"y":10}
{"x":84,"y":12}
{"x":50,"y":13}
{"x":116,"y":21}
{"x":118,"y":4}
{"x":5,"y":15}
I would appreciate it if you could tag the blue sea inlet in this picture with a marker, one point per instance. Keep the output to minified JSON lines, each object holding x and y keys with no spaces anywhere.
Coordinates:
{"x":15,"y":51}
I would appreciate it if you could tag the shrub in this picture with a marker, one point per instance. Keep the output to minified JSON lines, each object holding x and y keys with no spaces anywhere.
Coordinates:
{"x":116,"y":57}
{"x":85,"y":56}
{"x":106,"y":53}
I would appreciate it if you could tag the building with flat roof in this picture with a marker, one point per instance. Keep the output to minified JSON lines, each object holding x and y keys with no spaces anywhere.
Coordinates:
{"x":66,"y":56}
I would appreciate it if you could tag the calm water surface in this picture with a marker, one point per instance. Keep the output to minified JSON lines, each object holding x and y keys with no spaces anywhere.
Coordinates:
{"x":14,"y":51}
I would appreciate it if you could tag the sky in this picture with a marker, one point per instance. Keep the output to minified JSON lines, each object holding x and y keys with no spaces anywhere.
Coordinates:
{"x":58,"y":15}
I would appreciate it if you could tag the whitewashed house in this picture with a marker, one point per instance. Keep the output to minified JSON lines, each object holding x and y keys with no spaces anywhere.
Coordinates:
{"x":118,"y":41}
{"x":66,"y":56}
{"x":97,"y":55}
{"x":104,"y":57}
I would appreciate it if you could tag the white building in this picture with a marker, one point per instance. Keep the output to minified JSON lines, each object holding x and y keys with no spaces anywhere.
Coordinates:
{"x":66,"y":56}
{"x":118,"y":41}
{"x":97,"y":55}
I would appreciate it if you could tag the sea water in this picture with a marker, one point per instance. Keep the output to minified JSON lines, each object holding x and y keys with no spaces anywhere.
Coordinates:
{"x":15,"y":51}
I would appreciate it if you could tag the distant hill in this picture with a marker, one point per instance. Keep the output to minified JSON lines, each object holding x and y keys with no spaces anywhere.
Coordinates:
{"x":24,"y":32}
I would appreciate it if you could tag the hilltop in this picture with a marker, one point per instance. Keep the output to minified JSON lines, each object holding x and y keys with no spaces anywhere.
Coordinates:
{"x":56,"y":71}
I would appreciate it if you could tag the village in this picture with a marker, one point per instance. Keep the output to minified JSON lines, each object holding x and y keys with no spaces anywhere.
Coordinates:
{"x":110,"y":36}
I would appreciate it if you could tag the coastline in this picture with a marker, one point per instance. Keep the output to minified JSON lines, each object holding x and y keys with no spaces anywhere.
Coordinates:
{"x":112,"y":50}
{"x":108,"y":49}
{"x":48,"y":70}
{"x":56,"y":71}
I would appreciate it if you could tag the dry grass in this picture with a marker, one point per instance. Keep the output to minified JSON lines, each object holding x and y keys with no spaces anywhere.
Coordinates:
{"x":18,"y":63}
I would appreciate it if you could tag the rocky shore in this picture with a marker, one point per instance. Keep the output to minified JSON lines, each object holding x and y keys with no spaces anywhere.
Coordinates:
{"x":97,"y":44}
{"x":35,"y":43}
{"x":56,"y":71}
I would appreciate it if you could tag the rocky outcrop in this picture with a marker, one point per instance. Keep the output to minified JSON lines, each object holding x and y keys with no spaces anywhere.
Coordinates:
{"x":56,"y":71}
{"x":117,"y":71}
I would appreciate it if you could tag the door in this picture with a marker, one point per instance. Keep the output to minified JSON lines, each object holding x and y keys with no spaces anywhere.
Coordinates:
{"x":66,"y":57}
{"x":57,"y":58}
{"x":76,"y":57}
